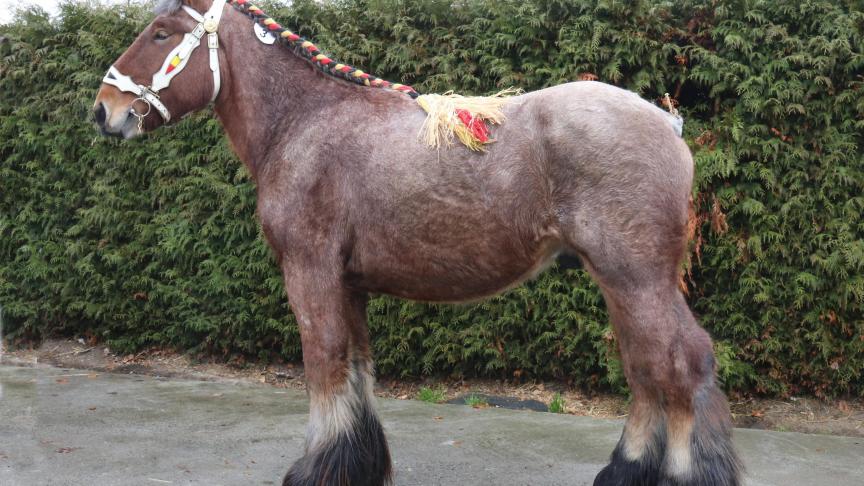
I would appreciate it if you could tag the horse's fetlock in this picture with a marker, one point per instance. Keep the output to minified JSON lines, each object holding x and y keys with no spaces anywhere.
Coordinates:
{"x":700,"y":451}
{"x":701,"y":466}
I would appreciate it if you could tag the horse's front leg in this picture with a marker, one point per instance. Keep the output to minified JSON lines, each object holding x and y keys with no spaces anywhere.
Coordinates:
{"x":345,"y":444}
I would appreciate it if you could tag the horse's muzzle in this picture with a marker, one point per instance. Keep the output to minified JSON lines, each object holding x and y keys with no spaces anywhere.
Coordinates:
{"x":99,"y":114}
{"x":100,"y":117}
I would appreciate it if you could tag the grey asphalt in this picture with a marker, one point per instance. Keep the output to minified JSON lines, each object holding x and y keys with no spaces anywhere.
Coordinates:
{"x":73,"y":427}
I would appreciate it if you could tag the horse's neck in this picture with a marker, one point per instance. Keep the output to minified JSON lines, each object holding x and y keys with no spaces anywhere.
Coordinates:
{"x":271,"y":94}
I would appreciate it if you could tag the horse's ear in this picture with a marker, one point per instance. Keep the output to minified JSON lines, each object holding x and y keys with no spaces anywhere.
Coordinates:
{"x":171,"y":6}
{"x":168,"y":7}
{"x":199,"y":5}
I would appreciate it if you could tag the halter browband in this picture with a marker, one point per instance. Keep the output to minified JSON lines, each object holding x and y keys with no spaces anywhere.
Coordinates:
{"x":175,"y":62}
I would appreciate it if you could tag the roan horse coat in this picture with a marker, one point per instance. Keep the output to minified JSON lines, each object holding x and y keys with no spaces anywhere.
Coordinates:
{"x":353,"y":203}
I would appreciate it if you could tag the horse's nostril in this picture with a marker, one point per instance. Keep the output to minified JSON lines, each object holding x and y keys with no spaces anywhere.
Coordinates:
{"x":99,"y":114}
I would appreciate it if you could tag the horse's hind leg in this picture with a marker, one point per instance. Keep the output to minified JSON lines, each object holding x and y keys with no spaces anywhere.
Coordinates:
{"x":345,"y":443}
{"x":678,"y":432}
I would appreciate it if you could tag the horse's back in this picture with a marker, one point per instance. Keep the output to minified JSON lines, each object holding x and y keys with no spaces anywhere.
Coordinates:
{"x":607,"y":103}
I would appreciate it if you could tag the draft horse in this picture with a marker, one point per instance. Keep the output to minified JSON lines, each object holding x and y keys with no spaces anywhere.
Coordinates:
{"x":353,"y":203}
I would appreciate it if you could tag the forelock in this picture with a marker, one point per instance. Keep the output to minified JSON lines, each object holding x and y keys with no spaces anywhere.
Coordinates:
{"x":167,"y":7}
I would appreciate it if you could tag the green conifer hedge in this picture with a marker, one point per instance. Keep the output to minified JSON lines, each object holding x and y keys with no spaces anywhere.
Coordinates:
{"x":155,"y":241}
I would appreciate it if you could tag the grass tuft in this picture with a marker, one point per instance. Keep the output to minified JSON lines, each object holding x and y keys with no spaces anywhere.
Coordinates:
{"x":557,"y":404}
{"x":431,"y":395}
{"x":476,"y":401}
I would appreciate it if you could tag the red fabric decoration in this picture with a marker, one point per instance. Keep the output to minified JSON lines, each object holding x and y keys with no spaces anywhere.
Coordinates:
{"x":478,"y":127}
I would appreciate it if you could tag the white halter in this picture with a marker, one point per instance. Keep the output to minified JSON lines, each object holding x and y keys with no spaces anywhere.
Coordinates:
{"x":175,"y":62}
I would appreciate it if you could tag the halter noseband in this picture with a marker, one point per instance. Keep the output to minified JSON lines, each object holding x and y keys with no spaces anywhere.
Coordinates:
{"x":175,"y":62}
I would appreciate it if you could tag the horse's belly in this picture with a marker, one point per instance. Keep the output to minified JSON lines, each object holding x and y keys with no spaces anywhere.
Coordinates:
{"x":456,"y":273}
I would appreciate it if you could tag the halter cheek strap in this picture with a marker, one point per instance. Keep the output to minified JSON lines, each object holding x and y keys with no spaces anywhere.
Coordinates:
{"x":176,"y":61}
{"x":210,"y":23}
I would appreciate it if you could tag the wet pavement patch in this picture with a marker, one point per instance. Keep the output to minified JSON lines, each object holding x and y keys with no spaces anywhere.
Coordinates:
{"x":508,"y":403}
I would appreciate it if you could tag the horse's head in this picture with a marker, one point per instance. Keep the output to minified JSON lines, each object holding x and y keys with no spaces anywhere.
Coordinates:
{"x":180,"y":43}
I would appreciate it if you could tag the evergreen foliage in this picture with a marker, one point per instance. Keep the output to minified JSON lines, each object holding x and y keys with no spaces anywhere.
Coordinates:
{"x":155,"y":242}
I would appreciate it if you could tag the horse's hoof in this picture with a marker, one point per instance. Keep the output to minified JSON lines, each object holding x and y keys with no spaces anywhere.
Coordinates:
{"x":621,"y":472}
{"x":606,"y":476}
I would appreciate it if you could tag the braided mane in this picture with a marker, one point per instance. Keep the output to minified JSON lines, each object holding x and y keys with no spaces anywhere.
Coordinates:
{"x":309,"y":51}
{"x":448,"y":114}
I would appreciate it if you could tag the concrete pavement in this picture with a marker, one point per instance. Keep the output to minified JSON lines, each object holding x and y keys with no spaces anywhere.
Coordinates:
{"x":77,"y":427}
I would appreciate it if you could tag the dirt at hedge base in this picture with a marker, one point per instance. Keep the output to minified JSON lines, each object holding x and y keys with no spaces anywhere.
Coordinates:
{"x":798,"y":414}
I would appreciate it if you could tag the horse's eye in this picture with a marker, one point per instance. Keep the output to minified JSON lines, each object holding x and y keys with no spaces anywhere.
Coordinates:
{"x":161,"y":35}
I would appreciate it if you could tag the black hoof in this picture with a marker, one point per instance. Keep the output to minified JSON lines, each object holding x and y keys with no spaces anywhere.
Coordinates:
{"x":627,"y":473}
{"x":623,"y":472}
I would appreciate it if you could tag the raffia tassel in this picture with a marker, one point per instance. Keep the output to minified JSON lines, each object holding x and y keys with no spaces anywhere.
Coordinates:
{"x":443,"y":122}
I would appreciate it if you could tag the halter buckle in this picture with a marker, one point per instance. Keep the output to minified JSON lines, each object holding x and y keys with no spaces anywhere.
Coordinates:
{"x":198,"y":31}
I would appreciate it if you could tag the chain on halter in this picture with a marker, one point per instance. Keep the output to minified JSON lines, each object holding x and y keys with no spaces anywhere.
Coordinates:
{"x":140,"y":116}
{"x":308,"y":50}
{"x":174,"y":62}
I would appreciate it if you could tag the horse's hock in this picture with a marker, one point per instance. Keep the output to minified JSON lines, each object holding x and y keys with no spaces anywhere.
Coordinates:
{"x":582,"y":169}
